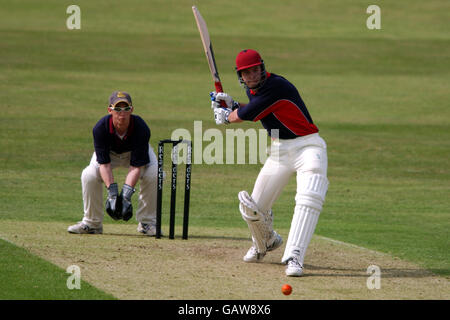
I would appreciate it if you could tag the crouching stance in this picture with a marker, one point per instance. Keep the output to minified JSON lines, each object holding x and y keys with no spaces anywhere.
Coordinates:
{"x":296,"y":148}
{"x":120,"y":140}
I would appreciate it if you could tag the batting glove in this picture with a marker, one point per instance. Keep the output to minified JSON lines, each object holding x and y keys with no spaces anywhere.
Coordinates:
{"x":221,"y":115}
{"x":113,"y":202}
{"x":127,"y":208}
{"x":217,"y":97}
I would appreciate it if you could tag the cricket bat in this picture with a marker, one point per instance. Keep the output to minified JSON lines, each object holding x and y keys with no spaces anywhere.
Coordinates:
{"x":204,"y":35}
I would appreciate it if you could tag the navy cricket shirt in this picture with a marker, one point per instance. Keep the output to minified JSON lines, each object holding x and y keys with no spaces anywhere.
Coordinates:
{"x":136,"y":140}
{"x":279,"y":106}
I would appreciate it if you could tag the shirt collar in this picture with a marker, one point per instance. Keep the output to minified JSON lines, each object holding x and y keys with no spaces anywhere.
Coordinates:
{"x":130,"y":129}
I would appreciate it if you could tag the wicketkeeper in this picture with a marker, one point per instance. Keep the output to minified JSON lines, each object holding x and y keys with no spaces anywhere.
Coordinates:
{"x":296,"y":148}
{"x":121,"y":139}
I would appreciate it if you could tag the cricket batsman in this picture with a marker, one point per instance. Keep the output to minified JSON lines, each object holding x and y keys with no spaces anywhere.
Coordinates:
{"x":121,"y":139}
{"x":296,"y":148}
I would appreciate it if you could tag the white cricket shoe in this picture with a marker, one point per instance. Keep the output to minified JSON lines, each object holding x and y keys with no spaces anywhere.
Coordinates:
{"x":147,"y":229}
{"x":82,"y":228}
{"x":275,"y":241}
{"x":294,"y":268}
{"x":254,"y":256}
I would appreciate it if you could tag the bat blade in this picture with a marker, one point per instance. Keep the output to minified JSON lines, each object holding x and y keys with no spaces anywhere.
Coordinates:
{"x":207,"y":46}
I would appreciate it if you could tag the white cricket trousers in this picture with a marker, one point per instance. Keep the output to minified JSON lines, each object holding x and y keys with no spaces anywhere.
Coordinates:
{"x":93,"y":189}
{"x":307,"y":157}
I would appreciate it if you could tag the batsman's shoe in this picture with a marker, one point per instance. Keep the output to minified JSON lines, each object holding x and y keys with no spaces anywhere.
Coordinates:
{"x":82,"y":228}
{"x":147,"y":229}
{"x":275,"y":242}
{"x":294,"y":268}
{"x":254,"y":256}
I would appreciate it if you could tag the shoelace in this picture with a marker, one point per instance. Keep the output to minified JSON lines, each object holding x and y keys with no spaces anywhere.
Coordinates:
{"x":294,"y":263}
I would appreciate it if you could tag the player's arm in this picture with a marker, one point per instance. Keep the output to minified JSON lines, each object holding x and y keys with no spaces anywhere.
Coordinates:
{"x":233,"y":117}
{"x":106,"y":174}
{"x":113,"y":205}
{"x":127,"y":191}
{"x":102,"y":151}
{"x":133,"y":176}
{"x":139,"y":159}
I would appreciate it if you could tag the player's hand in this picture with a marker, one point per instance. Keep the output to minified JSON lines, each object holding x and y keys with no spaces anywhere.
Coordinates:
{"x":127,"y":208}
{"x":218,"y":97}
{"x":222,"y":96}
{"x":221,"y":115}
{"x":214,"y":104}
{"x":113,"y":204}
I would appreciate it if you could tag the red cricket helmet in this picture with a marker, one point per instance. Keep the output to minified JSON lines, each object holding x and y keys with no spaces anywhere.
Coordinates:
{"x":249,"y":58}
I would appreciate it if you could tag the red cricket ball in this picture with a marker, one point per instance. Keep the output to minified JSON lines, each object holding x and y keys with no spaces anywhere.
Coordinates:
{"x":286,"y":289}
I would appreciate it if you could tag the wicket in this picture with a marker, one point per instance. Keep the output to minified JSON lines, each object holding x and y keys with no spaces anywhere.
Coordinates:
{"x":187,"y":190}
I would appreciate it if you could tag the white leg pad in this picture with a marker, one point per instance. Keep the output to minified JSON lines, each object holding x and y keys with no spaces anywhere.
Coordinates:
{"x":258,"y":222}
{"x":311,"y":191}
{"x":302,"y":228}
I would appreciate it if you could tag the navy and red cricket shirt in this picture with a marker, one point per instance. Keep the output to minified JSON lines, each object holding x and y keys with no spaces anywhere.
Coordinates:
{"x":279,"y":106}
{"x":136,"y":140}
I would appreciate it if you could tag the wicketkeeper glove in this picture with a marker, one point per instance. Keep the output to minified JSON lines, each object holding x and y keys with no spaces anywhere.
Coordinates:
{"x":113,"y":202}
{"x":127,"y":208}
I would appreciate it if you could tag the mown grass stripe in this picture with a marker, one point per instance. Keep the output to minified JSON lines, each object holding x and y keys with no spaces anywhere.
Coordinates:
{"x":24,"y":276}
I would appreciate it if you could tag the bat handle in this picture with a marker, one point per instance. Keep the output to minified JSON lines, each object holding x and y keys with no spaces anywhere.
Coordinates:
{"x":219,"y":88}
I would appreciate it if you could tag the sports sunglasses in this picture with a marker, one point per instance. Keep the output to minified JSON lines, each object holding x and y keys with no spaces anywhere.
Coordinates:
{"x":119,"y":109}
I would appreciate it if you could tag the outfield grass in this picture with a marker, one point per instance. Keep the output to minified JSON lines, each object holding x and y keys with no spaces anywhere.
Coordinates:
{"x":380,"y":98}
